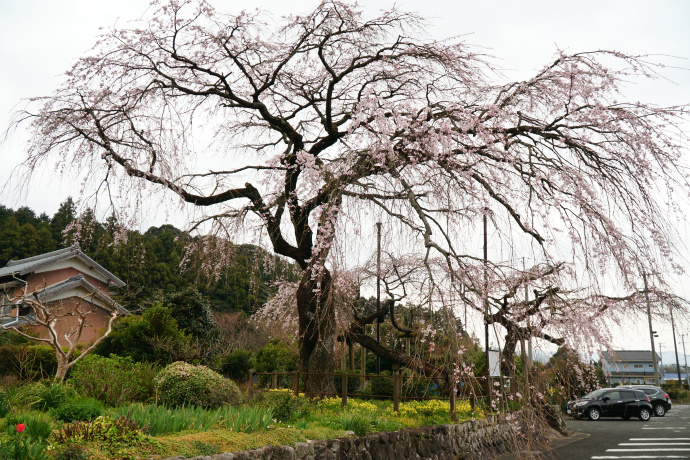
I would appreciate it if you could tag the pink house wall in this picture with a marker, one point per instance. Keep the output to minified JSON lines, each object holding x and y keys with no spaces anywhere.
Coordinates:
{"x":96,"y":320}
{"x":40,"y":280}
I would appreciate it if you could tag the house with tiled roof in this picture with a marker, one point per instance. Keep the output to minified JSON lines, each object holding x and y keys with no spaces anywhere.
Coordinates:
{"x":65,"y":280}
{"x":630,"y":367}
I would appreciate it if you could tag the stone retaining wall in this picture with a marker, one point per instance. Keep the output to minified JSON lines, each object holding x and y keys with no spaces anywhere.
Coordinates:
{"x":480,"y":439}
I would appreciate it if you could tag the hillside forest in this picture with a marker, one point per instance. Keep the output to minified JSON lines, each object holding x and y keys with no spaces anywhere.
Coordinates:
{"x":149,"y":262}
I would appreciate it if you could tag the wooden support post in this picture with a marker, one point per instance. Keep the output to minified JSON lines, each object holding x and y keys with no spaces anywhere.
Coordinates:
{"x":351,"y":350}
{"x":362,"y":367}
{"x":396,"y":389}
{"x":274,"y":380}
{"x":295,"y":383}
{"x":251,"y":383}
{"x":342,"y":355}
{"x":407,"y":352}
{"x":344,"y":385}
{"x":453,"y":414}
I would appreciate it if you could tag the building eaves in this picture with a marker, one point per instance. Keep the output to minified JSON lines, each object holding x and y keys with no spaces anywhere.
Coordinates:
{"x":628,"y":355}
{"x":24,"y":266}
{"x":53,"y":291}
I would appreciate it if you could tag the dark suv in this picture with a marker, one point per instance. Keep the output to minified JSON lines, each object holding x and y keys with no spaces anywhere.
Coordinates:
{"x":612,"y":402}
{"x":661,"y":401}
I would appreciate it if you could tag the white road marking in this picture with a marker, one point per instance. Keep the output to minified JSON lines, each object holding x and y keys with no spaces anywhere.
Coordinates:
{"x":654,"y":444}
{"x":683,"y":449}
{"x":665,"y":428}
{"x":605,"y":457}
{"x":659,"y":439}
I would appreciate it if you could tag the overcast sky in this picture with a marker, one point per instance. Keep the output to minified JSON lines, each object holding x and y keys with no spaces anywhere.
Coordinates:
{"x":40,"y":39}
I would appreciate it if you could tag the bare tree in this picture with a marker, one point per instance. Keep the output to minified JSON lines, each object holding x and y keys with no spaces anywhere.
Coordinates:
{"x":47,"y":317}
{"x":332,"y":113}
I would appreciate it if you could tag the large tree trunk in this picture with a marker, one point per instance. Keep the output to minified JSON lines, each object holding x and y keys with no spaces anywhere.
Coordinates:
{"x":508,"y":355}
{"x":316,"y":332}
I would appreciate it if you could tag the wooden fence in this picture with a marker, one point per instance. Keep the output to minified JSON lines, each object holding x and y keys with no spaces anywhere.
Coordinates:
{"x":397,"y":396}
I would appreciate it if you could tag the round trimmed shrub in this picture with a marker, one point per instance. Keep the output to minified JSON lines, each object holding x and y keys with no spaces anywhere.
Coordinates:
{"x":183,"y":384}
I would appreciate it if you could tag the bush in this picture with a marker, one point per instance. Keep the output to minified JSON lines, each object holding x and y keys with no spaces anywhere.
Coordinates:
{"x":28,"y":362}
{"x":131,"y":336}
{"x":677,"y":395}
{"x":285,"y":405}
{"x":192,"y":312}
{"x":4,"y":404}
{"x":382,"y":386}
{"x":352,"y":382}
{"x":44,"y":395}
{"x":114,"y":381}
{"x":72,"y":452}
{"x":79,"y":410}
{"x":182,"y":384}
{"x":103,"y":429}
{"x":237,"y":364}
{"x":276,"y":356}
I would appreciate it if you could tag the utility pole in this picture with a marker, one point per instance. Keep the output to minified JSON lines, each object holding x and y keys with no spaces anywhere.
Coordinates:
{"x":378,"y":292}
{"x":523,"y":355}
{"x":657,"y":380}
{"x":675,"y":345}
{"x":687,"y":374}
{"x":486,"y":309}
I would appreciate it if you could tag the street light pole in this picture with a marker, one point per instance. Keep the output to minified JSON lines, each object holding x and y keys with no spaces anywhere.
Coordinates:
{"x":657,"y":380}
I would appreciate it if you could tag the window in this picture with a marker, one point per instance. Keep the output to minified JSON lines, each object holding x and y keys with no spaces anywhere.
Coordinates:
{"x":627,"y":395}
{"x":614,"y":395}
{"x":638,"y":366}
{"x":650,"y":365}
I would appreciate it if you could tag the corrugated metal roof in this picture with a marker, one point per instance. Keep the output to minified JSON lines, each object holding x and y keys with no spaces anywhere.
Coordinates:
{"x":628,"y":355}
{"x":24,"y":266}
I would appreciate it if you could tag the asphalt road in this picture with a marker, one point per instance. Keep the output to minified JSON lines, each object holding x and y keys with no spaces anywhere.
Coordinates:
{"x":614,"y":438}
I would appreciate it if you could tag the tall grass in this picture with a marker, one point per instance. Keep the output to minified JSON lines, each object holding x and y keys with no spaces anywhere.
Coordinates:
{"x":159,"y":420}
{"x":356,"y":422}
{"x":246,"y":419}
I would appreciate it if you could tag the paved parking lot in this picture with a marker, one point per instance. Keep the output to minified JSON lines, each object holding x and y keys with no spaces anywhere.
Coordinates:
{"x":660,"y":438}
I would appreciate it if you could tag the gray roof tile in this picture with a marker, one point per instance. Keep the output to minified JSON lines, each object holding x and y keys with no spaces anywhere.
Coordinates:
{"x":24,"y":266}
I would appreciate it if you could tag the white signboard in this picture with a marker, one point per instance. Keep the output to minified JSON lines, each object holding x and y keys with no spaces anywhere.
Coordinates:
{"x":494,"y":363}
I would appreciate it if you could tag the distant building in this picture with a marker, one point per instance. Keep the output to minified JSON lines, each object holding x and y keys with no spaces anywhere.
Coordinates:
{"x":673,"y":377}
{"x":630,"y":367}
{"x":66,"y":278}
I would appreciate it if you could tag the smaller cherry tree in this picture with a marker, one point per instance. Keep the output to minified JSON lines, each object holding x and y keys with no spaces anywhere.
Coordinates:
{"x":47,"y":316}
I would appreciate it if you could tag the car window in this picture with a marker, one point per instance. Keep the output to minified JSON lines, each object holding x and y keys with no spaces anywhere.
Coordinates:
{"x":649,"y":391}
{"x":641,"y":395}
{"x":593,"y":395}
{"x":627,"y":395}
{"x":614,"y":395}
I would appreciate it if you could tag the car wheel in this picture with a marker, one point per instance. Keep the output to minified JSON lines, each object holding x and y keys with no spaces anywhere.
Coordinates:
{"x":594,"y":414}
{"x":644,"y":414}
{"x":659,"y":410}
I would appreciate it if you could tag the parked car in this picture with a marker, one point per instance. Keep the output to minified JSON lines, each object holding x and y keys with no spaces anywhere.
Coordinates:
{"x":612,"y":402}
{"x":661,"y":401}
